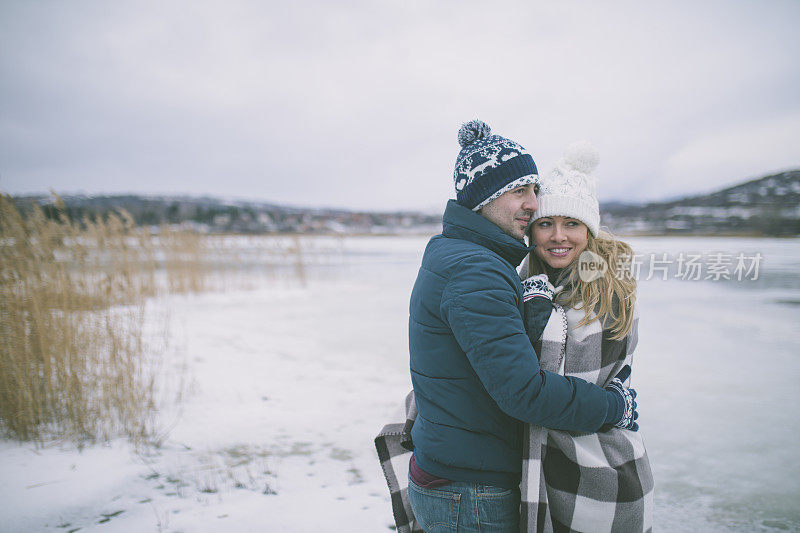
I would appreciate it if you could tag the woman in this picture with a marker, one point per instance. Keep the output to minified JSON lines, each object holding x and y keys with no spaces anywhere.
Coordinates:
{"x":582,"y":482}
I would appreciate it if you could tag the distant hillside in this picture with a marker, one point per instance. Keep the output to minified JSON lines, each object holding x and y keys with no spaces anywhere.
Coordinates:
{"x":212,"y":215}
{"x":764,"y":206}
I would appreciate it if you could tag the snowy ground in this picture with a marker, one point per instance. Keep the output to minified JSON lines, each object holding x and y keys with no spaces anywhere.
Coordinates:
{"x":289,"y":382}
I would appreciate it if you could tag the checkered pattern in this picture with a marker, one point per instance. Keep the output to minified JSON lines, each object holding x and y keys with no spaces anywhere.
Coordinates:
{"x":585,"y":482}
{"x":394,"y":448}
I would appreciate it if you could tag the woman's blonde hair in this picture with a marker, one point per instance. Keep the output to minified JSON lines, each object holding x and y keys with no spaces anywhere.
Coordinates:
{"x":611,"y":297}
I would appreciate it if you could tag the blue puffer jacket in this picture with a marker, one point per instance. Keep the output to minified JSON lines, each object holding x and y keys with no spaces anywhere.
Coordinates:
{"x":476,"y":376}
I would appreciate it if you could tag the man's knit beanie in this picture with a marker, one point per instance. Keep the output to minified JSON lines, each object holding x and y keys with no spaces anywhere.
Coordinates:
{"x":570,"y":189}
{"x":489,"y":165}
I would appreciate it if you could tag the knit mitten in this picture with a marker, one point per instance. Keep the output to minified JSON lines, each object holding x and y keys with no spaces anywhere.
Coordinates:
{"x":625,"y":415}
{"x":537,"y":294}
{"x":537,"y":313}
{"x":537,"y":287}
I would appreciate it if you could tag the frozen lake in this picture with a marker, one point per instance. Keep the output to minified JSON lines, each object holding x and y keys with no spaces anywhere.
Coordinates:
{"x":290,"y":380}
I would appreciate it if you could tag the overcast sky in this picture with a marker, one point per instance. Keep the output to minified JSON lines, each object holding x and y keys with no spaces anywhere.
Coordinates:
{"x":357,"y":104}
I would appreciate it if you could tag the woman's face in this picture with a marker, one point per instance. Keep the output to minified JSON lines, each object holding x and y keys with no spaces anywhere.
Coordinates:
{"x":559,"y":240}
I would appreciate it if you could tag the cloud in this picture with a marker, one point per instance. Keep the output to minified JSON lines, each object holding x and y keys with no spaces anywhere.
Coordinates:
{"x":357,"y":104}
{"x":727,"y":157}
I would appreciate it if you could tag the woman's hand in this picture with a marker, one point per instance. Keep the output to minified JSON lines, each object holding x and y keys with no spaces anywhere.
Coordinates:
{"x":537,"y":294}
{"x":537,"y":287}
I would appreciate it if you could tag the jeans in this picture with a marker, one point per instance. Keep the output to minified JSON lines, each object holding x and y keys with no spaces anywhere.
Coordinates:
{"x":461,"y":506}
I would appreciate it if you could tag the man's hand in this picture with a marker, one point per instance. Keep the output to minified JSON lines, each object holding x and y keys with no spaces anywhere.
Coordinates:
{"x":626,"y":401}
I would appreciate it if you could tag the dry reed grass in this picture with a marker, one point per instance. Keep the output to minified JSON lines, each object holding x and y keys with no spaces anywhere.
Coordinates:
{"x":74,"y":363}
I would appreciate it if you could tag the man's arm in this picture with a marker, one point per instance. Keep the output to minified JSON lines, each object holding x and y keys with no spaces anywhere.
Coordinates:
{"x":480,"y":306}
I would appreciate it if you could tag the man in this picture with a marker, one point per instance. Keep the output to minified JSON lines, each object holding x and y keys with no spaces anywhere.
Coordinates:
{"x":475,"y":374}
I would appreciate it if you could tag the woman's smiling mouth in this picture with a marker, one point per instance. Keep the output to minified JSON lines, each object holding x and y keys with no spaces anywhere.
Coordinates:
{"x":559,"y":252}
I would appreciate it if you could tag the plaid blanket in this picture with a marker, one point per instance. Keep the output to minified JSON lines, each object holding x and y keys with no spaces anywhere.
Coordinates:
{"x":585,"y":482}
{"x":570,"y":481}
{"x":394,"y":447}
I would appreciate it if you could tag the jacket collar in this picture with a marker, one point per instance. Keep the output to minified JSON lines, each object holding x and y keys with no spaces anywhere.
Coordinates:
{"x":460,"y":222}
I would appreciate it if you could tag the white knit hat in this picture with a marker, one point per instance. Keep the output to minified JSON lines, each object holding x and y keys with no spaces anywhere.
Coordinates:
{"x":570,"y":189}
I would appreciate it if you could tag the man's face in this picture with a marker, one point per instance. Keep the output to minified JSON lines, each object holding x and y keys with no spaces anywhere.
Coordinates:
{"x":512,"y":210}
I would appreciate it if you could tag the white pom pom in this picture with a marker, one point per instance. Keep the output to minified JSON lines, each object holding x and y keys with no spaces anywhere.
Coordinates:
{"x":582,"y":156}
{"x":471,"y":131}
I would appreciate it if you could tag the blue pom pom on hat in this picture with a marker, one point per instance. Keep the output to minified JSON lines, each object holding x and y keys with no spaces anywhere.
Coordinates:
{"x":489,"y":165}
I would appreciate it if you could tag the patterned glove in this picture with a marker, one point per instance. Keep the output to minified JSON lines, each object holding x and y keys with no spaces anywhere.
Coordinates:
{"x":537,"y":313}
{"x":537,"y":287}
{"x":626,"y":400}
